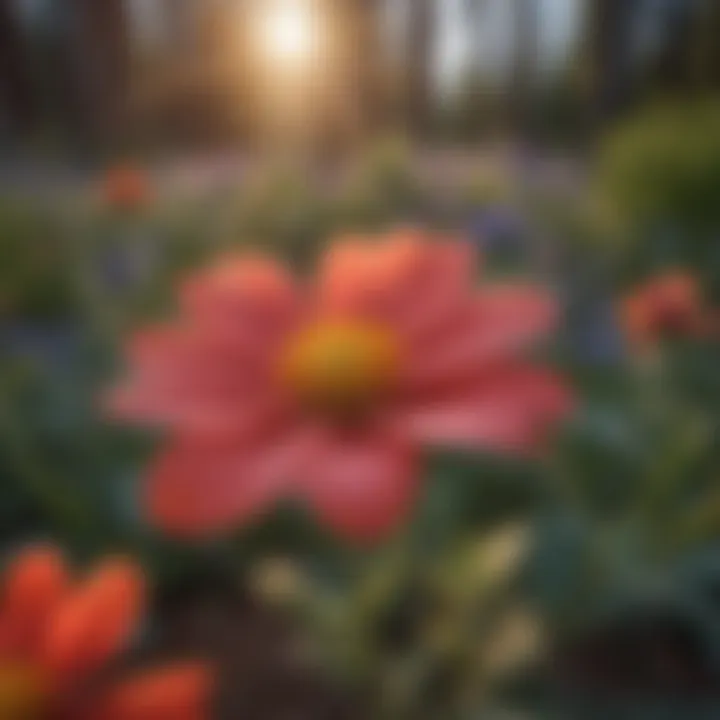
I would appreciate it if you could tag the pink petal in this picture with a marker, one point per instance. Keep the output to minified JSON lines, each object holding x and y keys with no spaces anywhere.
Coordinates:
{"x":512,"y":317}
{"x":193,"y":380}
{"x":499,"y":323}
{"x":362,"y":484}
{"x":198,"y":488}
{"x":191,"y":411}
{"x":249,"y":295}
{"x":510,"y":410}
{"x":354,"y":277}
{"x":408,"y":280}
{"x":437,"y":287}
{"x":195,"y":352}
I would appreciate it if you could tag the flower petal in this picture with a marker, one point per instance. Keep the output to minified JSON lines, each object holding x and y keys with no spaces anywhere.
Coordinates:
{"x":97,"y":620}
{"x":438,"y":285}
{"x":408,"y":280}
{"x":198,"y":488}
{"x":209,"y":374}
{"x":209,"y":414}
{"x":244,"y":294}
{"x":361,"y":484}
{"x":668,"y":305}
{"x":191,"y":379}
{"x":35,"y":584}
{"x":500,"y":323}
{"x":509,"y":410}
{"x":353,"y":276}
{"x":176,"y":692}
{"x":514,"y":316}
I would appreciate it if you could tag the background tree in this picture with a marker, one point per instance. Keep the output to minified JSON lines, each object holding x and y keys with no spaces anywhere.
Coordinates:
{"x":369,"y":63}
{"x":671,"y":67}
{"x":474,"y":16}
{"x":99,"y":46}
{"x":16,"y":92}
{"x":526,"y":22}
{"x":177,"y":20}
{"x":611,"y":34}
{"x":419,"y":98}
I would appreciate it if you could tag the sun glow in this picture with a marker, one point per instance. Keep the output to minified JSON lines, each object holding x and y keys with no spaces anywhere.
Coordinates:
{"x":287,"y":30}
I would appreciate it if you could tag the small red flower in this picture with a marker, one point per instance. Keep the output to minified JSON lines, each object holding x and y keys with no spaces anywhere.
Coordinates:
{"x":667,"y":306}
{"x":57,"y":635}
{"x":328,"y":394}
{"x":127,"y":188}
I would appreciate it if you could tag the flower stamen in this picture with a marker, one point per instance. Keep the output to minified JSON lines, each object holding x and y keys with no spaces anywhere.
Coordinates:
{"x":340,"y":368}
{"x":22,"y":695}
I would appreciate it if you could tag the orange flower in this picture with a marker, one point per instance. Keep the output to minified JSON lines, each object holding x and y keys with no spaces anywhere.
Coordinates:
{"x":57,"y":635}
{"x":328,"y":395}
{"x":667,"y":306}
{"x":127,"y":188}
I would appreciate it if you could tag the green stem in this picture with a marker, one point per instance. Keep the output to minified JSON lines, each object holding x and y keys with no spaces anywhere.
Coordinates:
{"x":35,"y":479}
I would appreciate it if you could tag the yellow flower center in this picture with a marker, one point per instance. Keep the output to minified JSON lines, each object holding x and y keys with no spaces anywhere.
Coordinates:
{"x":340,"y":368}
{"x":22,"y":694}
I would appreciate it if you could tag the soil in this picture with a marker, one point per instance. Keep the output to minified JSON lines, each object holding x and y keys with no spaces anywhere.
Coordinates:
{"x":650,"y":655}
{"x":260,"y":675}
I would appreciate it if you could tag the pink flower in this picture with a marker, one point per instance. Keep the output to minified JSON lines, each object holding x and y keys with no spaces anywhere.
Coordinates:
{"x":667,"y":306}
{"x":328,"y":393}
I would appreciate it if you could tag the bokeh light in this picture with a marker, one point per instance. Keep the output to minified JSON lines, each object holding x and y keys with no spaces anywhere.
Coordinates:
{"x":286,"y":31}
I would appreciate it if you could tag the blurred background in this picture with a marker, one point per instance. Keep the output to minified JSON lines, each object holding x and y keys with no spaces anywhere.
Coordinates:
{"x":176,"y":75}
{"x":575,"y":142}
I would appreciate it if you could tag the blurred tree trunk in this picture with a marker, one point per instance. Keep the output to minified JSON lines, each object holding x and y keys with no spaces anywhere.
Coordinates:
{"x":16,"y":94}
{"x":99,"y":45}
{"x":611,"y":41}
{"x":713,"y":33}
{"x":177,"y":21}
{"x":522,"y":90}
{"x":352,"y":103}
{"x":473,"y":12}
{"x":419,"y":98}
{"x":369,"y":64}
{"x":671,"y":71}
{"x":688,"y":61}
{"x":705,"y":46}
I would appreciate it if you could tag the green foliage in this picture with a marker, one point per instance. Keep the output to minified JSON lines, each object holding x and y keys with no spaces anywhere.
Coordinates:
{"x":429,"y":621}
{"x":281,"y":212}
{"x":59,"y":461}
{"x":636,"y":493}
{"x":665,"y":165}
{"x":35,"y":268}
{"x":383,"y":190}
{"x":422,"y":634}
{"x":661,"y":174}
{"x":487,"y":189}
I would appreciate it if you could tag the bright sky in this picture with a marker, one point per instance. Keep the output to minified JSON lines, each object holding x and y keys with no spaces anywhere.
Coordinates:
{"x":559,"y":21}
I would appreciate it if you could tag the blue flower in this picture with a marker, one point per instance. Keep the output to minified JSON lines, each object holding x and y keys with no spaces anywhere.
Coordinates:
{"x":498,"y":229}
